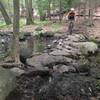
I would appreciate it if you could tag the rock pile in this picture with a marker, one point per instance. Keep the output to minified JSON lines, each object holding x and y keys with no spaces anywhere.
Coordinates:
{"x":69,"y":73}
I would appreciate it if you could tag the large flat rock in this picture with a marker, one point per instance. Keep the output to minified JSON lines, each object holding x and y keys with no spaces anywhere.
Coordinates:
{"x":45,"y":60}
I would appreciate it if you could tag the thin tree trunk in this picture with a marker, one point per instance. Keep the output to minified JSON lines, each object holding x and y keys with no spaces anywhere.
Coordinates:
{"x":29,"y":19}
{"x":79,"y":9}
{"x":85,"y":3}
{"x":4,"y":13}
{"x":49,"y":9}
{"x":85,"y":22}
{"x":90,"y":13}
{"x":60,"y":10}
{"x":16,"y":31}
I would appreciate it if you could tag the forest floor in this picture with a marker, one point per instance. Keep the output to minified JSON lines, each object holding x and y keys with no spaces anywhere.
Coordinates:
{"x":46,"y":25}
{"x":95,"y":30}
{"x":55,"y":27}
{"x":58,"y":27}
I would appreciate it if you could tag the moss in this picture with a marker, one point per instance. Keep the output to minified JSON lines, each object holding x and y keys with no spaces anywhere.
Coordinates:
{"x":84,"y":65}
{"x":98,"y":85}
{"x":40,"y":48}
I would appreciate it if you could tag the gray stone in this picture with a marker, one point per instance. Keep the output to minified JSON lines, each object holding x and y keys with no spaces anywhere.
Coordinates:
{"x":86,"y":47}
{"x":44,"y":60}
{"x":17,"y":72}
{"x":58,"y":35}
{"x":66,"y":52}
{"x":60,"y":53}
{"x":7,"y":82}
{"x":64,"y":68}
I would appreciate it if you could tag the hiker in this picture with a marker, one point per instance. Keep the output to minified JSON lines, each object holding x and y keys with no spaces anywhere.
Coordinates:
{"x":71,"y":19}
{"x":71,"y":14}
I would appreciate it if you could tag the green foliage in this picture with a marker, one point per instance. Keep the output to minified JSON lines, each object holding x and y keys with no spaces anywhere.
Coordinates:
{"x":42,"y":6}
{"x":38,"y":32}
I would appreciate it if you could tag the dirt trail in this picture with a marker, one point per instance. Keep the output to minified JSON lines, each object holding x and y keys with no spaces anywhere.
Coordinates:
{"x":95,"y":30}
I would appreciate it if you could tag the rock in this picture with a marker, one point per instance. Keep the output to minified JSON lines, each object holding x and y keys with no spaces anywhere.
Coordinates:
{"x":59,"y":47}
{"x":64,"y":68}
{"x":38,"y":29}
{"x":54,"y":41}
{"x":48,"y":34}
{"x":76,"y":37}
{"x":60,"y":53}
{"x":65,"y":52}
{"x":17,"y":71}
{"x":84,"y":65}
{"x":58,"y":35}
{"x":95,"y":72}
{"x":49,"y":46}
{"x":25,"y":52}
{"x":86,"y":47}
{"x":45,"y":60}
{"x":7,"y":82}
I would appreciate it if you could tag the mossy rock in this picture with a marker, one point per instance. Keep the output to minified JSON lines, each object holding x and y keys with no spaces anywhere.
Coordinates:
{"x":38,"y":29}
{"x":98,"y":85}
{"x":39,"y":47}
{"x":84,"y":65}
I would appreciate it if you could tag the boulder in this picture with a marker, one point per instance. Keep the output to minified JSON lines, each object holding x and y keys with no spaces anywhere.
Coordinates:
{"x":76,"y":38}
{"x":60,"y":53}
{"x":45,"y":60}
{"x":64,"y":68}
{"x":17,"y":71}
{"x":58,"y":35}
{"x":7,"y":82}
{"x":86,"y":47}
{"x":66,"y":52}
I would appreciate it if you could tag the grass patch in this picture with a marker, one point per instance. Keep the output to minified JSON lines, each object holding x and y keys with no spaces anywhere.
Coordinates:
{"x":3,"y":25}
{"x":55,"y":27}
{"x":41,"y":23}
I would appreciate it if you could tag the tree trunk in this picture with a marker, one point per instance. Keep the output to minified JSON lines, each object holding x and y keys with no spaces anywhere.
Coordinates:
{"x":16,"y":31}
{"x":85,"y":22}
{"x":79,"y":10}
{"x":49,"y":9}
{"x":29,"y":19}
{"x":90,"y":13}
{"x":60,"y":10}
{"x":4,"y":13}
{"x":85,"y":6}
